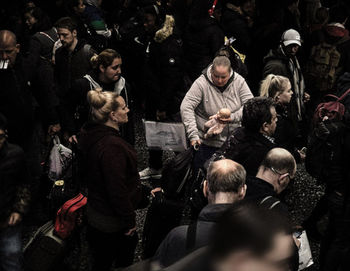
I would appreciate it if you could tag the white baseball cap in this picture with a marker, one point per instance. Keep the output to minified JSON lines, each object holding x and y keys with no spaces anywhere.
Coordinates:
{"x":291,"y":36}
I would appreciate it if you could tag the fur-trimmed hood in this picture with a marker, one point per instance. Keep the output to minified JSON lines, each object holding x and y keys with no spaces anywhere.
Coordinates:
{"x":166,"y":31}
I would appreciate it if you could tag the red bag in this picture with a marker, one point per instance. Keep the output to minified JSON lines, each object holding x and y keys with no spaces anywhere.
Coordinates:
{"x":334,"y":110}
{"x":68,"y":214}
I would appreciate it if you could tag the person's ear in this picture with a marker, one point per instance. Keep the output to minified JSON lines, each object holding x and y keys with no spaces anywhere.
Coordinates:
{"x":242,"y":192}
{"x":265,"y":127}
{"x":101,"y":68}
{"x":205,"y":189}
{"x":283,"y":181}
{"x":18,"y":48}
{"x":112,"y":116}
{"x":74,"y":33}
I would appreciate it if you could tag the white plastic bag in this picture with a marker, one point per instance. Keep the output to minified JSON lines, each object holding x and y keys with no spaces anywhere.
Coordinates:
{"x":165,"y":136}
{"x":59,"y":160}
{"x":305,"y":256}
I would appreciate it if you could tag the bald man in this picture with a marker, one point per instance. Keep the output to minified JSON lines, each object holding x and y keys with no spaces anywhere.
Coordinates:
{"x":8,"y":47}
{"x":273,"y":177}
{"x":15,"y":97}
{"x":224,"y":185}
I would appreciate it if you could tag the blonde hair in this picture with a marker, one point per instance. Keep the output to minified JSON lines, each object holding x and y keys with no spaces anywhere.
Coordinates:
{"x":273,"y":85}
{"x":102,"y":103}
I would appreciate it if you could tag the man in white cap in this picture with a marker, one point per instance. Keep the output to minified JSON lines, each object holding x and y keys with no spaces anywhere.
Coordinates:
{"x":283,"y":61}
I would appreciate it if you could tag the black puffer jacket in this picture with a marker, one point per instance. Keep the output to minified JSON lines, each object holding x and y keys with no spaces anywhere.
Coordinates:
{"x":246,"y":148}
{"x":14,"y":193}
{"x":202,"y":39}
{"x":164,"y":70}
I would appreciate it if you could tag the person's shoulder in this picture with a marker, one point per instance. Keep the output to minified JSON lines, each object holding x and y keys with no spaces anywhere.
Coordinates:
{"x":15,"y":151}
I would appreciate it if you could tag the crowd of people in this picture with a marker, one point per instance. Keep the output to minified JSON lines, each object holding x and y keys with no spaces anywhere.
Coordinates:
{"x":243,"y":76}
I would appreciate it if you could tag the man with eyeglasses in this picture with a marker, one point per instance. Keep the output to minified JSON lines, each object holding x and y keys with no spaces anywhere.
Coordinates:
{"x":273,"y":177}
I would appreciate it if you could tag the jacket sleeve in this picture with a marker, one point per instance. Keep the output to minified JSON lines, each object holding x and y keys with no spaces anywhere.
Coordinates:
{"x":244,"y":94}
{"x":114,"y":164}
{"x":192,"y":99}
{"x":23,"y":195}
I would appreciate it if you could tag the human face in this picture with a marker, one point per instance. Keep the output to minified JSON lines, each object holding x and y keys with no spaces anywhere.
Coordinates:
{"x":80,"y":8}
{"x":291,"y":49}
{"x":149,"y":23}
{"x":3,"y":137}
{"x":277,"y":259}
{"x":220,"y":75}
{"x":66,"y":37}
{"x":112,"y":72}
{"x":30,"y":20}
{"x":9,"y":50}
{"x":286,"y":95}
{"x":270,"y":128}
{"x":121,"y":114}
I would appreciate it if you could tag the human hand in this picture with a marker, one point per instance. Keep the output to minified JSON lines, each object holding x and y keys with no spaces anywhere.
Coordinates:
{"x":14,"y":219}
{"x":302,"y":155}
{"x":130,"y":232}
{"x":195,"y":144}
{"x":72,"y":139}
{"x":155,"y":190}
{"x":54,"y":129}
{"x":306,"y":97}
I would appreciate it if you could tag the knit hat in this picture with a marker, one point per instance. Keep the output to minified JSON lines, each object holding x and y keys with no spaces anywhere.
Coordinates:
{"x":291,"y":36}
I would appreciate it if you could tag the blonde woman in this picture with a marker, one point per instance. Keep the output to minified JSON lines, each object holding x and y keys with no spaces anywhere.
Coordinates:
{"x":110,"y":169}
{"x":279,"y":89}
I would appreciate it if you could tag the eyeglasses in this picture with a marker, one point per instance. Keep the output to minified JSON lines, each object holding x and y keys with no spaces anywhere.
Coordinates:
{"x":281,"y":174}
{"x":3,"y":136}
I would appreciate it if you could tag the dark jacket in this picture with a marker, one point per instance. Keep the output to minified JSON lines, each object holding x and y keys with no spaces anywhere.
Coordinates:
{"x":258,"y":190}
{"x":38,"y":63}
{"x":339,"y":36}
{"x":329,"y":147}
{"x":285,"y":134}
{"x":164,"y":71}
{"x":174,"y":247}
{"x":235,"y":25}
{"x":202,"y":39}
{"x":70,"y":66}
{"x":16,"y":103}
{"x":14,"y":177}
{"x":112,"y":176}
{"x":276,"y":62}
{"x":78,"y":108}
{"x":246,"y":148}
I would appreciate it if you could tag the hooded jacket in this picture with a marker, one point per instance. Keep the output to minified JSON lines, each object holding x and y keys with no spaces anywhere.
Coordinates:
{"x":278,"y":63}
{"x":204,"y":99}
{"x":113,"y":181}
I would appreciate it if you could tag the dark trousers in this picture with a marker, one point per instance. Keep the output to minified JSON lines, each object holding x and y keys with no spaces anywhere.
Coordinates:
{"x":335,"y":247}
{"x":109,"y":248}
